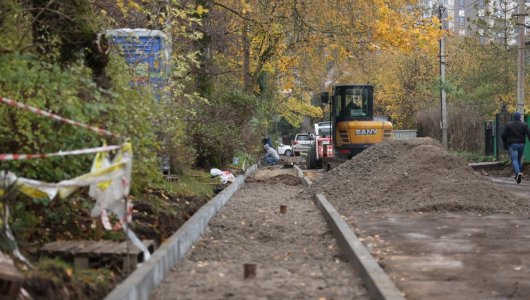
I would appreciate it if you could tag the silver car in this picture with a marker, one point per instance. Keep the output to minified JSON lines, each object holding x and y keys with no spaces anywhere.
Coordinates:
{"x":302,"y":143}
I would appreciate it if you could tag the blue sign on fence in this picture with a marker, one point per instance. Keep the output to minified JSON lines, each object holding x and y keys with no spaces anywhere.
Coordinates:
{"x":148,"y":53}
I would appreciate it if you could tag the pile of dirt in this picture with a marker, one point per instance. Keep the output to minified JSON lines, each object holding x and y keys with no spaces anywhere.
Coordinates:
{"x":286,"y":179}
{"x":414,"y":175}
{"x":56,"y":280}
{"x":161,"y":214}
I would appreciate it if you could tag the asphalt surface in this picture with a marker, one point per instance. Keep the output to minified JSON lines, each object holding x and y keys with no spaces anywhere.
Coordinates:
{"x":509,"y":184}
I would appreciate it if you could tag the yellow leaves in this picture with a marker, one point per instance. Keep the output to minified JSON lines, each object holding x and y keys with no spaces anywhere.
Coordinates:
{"x":121,"y":6}
{"x":135,"y":6}
{"x":295,"y":109}
{"x":506,"y":100}
{"x":404,"y":28}
{"x":201,"y":10}
{"x":124,"y":7}
{"x":246,"y":8}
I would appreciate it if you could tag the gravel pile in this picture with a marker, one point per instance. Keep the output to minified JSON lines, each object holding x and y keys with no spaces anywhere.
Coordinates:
{"x":414,"y":175}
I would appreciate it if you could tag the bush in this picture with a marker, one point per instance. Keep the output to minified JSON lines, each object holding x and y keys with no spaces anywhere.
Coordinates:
{"x":465,"y":127}
{"x":72,"y":94}
{"x":230,"y":123}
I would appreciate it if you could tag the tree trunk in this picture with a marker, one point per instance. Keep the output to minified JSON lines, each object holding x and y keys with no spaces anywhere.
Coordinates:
{"x":247,"y":81}
{"x":203,"y":45}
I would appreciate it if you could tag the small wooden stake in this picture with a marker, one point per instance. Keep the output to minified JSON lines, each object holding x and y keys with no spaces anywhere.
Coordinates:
{"x":250,"y":271}
{"x":283,"y":209}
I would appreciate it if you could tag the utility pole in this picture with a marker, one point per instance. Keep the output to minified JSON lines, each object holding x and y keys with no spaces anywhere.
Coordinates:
{"x":443,"y":102}
{"x":521,"y":57}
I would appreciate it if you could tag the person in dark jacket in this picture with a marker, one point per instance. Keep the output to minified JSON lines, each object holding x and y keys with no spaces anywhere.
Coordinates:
{"x":514,"y":135}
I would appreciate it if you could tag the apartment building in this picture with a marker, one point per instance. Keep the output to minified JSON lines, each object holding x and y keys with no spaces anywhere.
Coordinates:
{"x":486,"y":19}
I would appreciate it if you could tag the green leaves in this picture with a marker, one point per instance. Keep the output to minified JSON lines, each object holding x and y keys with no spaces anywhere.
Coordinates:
{"x":72,"y":94}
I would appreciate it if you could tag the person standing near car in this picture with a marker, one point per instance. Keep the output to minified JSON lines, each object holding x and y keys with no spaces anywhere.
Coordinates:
{"x":514,"y":136}
{"x":271,"y":157}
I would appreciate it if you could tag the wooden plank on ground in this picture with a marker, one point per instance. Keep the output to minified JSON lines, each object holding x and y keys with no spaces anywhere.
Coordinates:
{"x":104,"y":250}
{"x":122,"y":248}
{"x":59,"y":247}
{"x":69,"y":247}
{"x":50,"y":247}
{"x":91,"y":247}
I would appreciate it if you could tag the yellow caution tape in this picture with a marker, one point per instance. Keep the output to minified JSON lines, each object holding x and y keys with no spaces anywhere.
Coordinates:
{"x":32,"y":192}
{"x":37,"y":189}
{"x":98,"y":162}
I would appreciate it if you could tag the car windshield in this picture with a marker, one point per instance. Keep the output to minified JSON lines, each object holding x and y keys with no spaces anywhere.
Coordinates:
{"x":324,"y":131}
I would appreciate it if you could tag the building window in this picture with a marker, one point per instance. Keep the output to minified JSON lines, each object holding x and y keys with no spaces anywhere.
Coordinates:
{"x":462,"y":32}
{"x":462,"y":3}
{"x":481,"y":3}
{"x":462,"y":21}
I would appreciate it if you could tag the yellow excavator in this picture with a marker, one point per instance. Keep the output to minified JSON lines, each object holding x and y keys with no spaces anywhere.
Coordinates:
{"x":353,"y":125}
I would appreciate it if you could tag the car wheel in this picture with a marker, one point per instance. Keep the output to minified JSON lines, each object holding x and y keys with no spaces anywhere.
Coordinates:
{"x":288,"y":153}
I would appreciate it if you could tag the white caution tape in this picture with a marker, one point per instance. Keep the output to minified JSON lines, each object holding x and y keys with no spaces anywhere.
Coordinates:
{"x":10,"y":156}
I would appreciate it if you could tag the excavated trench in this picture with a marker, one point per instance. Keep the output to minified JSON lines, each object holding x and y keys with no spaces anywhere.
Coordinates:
{"x":295,"y":254}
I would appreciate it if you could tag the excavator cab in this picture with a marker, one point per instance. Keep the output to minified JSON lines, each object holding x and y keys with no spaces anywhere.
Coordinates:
{"x":351,"y":113}
{"x":353,"y":102}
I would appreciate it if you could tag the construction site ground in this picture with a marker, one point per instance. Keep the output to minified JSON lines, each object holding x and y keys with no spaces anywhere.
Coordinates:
{"x":296,"y":255}
{"x":475,"y":244}
{"x":439,"y":229}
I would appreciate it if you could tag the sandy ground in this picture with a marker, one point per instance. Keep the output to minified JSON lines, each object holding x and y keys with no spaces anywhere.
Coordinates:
{"x":296,"y":254}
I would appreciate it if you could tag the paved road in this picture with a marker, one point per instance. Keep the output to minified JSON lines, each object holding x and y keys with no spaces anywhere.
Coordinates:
{"x":451,"y":256}
{"x":509,"y":184}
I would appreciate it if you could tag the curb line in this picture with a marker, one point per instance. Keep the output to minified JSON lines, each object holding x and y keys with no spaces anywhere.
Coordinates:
{"x":145,"y":278}
{"x":485,"y":165}
{"x":305,"y":180}
{"x":377,"y":282}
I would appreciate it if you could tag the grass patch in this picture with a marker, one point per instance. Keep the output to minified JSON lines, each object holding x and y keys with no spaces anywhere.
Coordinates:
{"x":473,"y":156}
{"x":195,"y":183}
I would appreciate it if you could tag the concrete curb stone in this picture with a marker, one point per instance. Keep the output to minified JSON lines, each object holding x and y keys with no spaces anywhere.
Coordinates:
{"x":140,"y":284}
{"x":379,"y":285}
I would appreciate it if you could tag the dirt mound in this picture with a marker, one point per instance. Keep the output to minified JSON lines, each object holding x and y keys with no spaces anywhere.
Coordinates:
{"x":286,"y":179}
{"x":161,"y":214}
{"x":414,"y":175}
